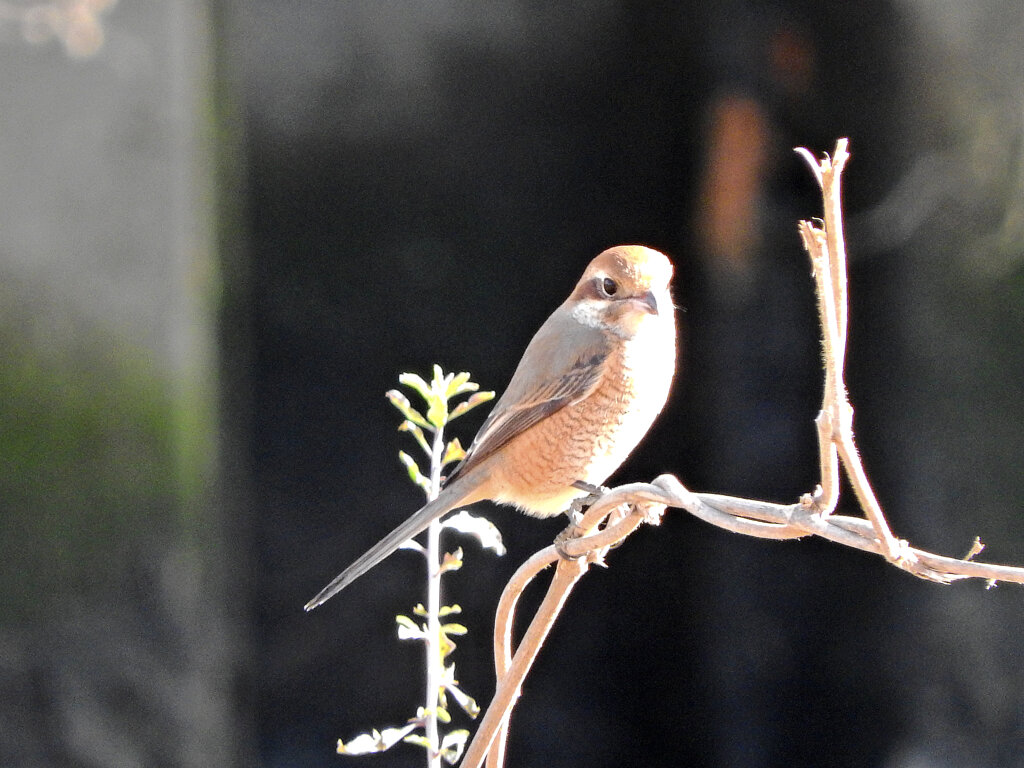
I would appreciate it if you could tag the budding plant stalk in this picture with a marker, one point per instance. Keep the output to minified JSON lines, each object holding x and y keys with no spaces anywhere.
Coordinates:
{"x":434,"y":629}
{"x":433,"y":639}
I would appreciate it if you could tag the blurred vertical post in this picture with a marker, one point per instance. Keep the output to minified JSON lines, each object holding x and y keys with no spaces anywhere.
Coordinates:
{"x":116,"y":646}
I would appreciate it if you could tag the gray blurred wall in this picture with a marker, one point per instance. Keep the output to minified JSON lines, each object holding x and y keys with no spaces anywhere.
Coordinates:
{"x":111,"y":650}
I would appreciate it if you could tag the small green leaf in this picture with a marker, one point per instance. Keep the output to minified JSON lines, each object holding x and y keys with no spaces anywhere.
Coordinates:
{"x":375,"y":741}
{"x":447,"y":646}
{"x":409,"y":629}
{"x":451,"y":561}
{"x":414,"y":471}
{"x":454,"y":629}
{"x":464,"y":700}
{"x":437,"y":413}
{"x":415,"y":381}
{"x":459,"y":384}
{"x":401,"y":402}
{"x":419,"y":610}
{"x":453,"y":744}
{"x":467,"y":405}
{"x":439,"y":383}
{"x":449,"y":610}
{"x":415,"y":431}
{"x":419,"y":740}
{"x":453,"y":452}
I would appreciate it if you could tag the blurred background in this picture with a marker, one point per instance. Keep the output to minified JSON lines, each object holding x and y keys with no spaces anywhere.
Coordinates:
{"x":226,"y":227}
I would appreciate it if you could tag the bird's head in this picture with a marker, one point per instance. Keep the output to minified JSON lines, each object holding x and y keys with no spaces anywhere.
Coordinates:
{"x":623,"y":289}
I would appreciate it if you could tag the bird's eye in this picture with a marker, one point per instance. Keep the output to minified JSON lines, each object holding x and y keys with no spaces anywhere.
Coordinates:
{"x":609,"y":286}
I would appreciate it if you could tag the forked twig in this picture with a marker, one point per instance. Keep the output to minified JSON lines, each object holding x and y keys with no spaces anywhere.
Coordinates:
{"x":603,"y":526}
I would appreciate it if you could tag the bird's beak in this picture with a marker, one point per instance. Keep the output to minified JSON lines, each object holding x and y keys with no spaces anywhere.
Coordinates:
{"x":647,"y":303}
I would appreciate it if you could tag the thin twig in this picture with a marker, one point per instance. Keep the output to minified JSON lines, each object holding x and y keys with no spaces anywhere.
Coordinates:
{"x":433,"y":638}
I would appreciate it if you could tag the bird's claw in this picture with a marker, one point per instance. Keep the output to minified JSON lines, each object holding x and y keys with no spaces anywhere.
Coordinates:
{"x":594,"y":492}
{"x":563,"y":538}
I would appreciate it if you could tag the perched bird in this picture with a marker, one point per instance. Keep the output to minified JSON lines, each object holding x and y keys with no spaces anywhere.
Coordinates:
{"x":586,"y":391}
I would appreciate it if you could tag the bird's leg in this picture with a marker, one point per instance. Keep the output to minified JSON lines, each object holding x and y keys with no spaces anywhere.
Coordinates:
{"x":575,"y":514}
{"x":566,"y":535}
{"x":594,"y":492}
{"x":580,"y":505}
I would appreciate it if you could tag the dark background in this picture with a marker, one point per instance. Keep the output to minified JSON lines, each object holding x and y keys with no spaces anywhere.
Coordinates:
{"x":399,"y":184}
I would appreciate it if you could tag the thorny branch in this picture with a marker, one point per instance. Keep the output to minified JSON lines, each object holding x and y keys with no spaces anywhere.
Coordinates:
{"x":623,"y":509}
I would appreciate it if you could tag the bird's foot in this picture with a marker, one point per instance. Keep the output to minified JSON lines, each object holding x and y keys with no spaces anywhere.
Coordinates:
{"x":594,"y":492}
{"x":575,"y":515}
{"x":568,"y":534}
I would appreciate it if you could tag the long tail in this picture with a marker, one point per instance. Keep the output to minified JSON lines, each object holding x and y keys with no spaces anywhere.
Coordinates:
{"x":449,"y":498}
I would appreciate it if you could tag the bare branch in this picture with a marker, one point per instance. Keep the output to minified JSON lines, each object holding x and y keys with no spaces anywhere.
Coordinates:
{"x":812,"y":515}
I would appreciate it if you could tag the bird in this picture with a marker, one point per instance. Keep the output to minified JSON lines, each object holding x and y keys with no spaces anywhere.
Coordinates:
{"x":585,"y":392}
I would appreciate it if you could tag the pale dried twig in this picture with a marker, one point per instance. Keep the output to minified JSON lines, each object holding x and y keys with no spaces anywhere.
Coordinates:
{"x":812,"y":515}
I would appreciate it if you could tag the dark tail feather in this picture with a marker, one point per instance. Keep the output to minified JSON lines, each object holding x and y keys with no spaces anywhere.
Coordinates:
{"x":448,"y":499}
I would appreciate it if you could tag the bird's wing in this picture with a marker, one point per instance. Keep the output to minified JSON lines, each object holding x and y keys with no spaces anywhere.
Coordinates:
{"x":557,"y":369}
